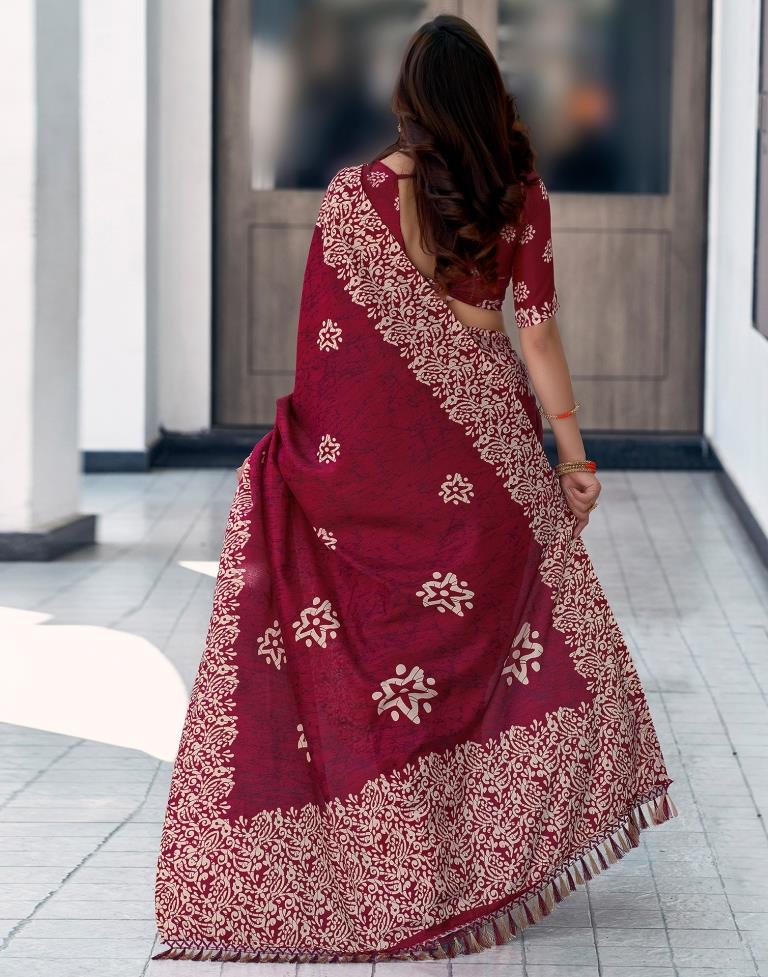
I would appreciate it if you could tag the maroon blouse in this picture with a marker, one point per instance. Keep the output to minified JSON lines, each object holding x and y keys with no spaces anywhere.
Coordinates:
{"x":524,"y":253}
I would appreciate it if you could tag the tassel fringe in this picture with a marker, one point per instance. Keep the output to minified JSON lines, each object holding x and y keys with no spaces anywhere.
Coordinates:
{"x":495,"y":929}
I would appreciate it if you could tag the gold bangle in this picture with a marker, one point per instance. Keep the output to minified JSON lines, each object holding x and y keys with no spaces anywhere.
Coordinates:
{"x":565,"y":467}
{"x":562,"y":415}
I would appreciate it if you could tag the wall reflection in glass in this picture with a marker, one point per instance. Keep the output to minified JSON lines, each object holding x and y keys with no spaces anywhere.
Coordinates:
{"x":322,"y":72}
{"x":592,"y":80}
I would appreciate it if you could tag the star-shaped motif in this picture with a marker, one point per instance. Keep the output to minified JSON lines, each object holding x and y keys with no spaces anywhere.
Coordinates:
{"x":270,"y":645}
{"x":445,"y":593}
{"x":316,"y":623}
{"x":403,"y":694}
{"x":326,"y":536}
{"x":524,"y":650}
{"x":329,"y":336}
{"x":328,"y":450}
{"x":456,"y":488}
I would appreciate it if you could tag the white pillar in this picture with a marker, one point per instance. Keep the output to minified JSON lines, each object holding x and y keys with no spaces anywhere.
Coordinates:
{"x":39,"y":279}
{"x":114,"y":353}
{"x":179,"y":226}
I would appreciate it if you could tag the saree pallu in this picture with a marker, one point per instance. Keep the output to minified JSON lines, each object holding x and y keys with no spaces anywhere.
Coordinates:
{"x":416,"y":725}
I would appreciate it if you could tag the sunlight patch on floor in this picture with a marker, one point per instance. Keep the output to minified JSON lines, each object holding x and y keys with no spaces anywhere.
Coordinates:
{"x":90,"y":682}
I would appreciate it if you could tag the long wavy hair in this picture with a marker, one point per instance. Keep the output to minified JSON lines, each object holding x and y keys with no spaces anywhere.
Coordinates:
{"x":472,"y":155}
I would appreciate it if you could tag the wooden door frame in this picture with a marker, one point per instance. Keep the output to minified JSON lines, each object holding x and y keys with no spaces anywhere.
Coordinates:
{"x":571,"y":210}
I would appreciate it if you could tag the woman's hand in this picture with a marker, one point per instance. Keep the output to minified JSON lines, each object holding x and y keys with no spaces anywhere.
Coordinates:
{"x":581,"y":490}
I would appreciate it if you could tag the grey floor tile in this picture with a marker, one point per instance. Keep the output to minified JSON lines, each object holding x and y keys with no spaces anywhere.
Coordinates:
{"x":331,"y":969}
{"x":491,"y":969}
{"x":259,"y":969}
{"x":183,"y":968}
{"x":419,"y":968}
{"x":71,"y":967}
{"x":80,"y":821}
{"x":67,"y":949}
{"x":565,"y":970}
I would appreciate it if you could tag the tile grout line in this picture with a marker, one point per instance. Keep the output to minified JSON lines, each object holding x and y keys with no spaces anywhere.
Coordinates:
{"x":99,"y":562}
{"x":174,"y":549}
{"x":747,"y":785}
{"x":41,"y":773}
{"x":708,"y":687}
{"x":705,"y":832}
{"x":23,"y":922}
{"x":744,"y":537}
{"x":592,"y":927}
{"x":723,"y":725}
{"x":745,"y":661}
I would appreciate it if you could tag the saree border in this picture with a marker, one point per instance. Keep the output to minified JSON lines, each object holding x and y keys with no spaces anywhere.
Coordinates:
{"x":491,"y":928}
{"x":206,"y":890}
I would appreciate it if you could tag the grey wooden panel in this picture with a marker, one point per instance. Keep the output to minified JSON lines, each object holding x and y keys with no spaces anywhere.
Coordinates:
{"x":614,"y":325}
{"x":274,"y":254}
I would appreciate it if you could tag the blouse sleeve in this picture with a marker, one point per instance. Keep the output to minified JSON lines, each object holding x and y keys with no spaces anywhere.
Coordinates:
{"x":533,"y":272}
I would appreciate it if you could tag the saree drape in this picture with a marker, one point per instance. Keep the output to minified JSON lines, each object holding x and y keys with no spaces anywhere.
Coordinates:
{"x":416,"y":725}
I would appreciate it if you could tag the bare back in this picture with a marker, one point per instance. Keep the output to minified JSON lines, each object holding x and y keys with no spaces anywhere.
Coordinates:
{"x":468,"y":315}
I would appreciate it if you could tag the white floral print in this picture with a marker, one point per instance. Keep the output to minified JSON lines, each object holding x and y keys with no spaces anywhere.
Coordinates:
{"x":524,"y":650}
{"x":326,"y":536}
{"x":445,"y":593}
{"x":547,"y":255}
{"x":402,"y":694}
{"x":317,"y":623}
{"x":528,"y":233}
{"x":543,"y":189}
{"x":456,"y":488}
{"x":302,"y":742}
{"x":270,"y":645}
{"x":328,"y":450}
{"x":376,"y":177}
{"x":329,"y":336}
{"x":520,"y":292}
{"x":535,"y":314}
{"x":508,"y":233}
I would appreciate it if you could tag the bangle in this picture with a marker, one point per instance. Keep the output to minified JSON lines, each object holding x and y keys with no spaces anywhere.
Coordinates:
{"x":559,"y":417}
{"x":566,"y":467}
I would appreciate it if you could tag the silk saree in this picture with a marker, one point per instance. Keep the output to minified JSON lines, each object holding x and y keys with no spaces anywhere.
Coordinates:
{"x":416,"y":726}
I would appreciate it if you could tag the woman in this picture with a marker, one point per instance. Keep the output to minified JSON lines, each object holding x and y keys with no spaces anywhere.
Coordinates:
{"x":416,"y":726}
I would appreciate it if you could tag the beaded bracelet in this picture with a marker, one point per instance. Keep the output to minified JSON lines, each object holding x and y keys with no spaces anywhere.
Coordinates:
{"x":559,"y":417}
{"x":566,"y":467}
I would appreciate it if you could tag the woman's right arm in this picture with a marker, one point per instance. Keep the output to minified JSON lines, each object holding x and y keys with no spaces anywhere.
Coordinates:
{"x":536,"y":302}
{"x":548,"y":370}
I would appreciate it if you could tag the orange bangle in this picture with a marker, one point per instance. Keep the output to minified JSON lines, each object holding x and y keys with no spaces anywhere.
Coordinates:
{"x":559,"y":417}
{"x":566,"y":467}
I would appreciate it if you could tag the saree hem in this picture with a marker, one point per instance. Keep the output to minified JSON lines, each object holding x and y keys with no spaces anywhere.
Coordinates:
{"x":486,"y":929}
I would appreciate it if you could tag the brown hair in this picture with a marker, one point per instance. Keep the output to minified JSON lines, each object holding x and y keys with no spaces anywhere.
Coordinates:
{"x":471,"y":153}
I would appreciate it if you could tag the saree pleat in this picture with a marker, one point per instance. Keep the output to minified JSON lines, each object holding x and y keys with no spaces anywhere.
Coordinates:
{"x":416,"y":726}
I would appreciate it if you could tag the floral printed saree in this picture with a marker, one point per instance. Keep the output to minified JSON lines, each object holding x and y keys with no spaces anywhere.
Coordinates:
{"x":416,"y":726}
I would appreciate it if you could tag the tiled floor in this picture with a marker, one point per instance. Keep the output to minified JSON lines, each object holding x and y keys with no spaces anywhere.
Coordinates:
{"x":89,"y":639}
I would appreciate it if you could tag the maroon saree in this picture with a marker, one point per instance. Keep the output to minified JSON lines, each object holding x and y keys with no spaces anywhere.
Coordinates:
{"x":416,"y":726}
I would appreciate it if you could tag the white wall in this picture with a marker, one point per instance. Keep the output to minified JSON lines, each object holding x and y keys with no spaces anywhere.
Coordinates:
{"x":736,"y":381}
